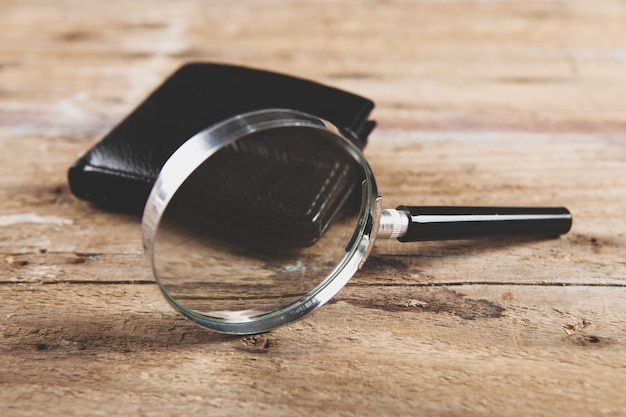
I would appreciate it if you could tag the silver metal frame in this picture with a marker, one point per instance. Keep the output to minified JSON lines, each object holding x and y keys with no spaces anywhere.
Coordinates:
{"x":204,"y":144}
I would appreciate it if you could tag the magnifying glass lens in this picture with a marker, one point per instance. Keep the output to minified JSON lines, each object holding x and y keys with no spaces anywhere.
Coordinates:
{"x":259,"y":224}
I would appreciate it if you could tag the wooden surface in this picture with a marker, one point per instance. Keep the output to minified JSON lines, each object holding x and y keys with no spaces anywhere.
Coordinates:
{"x":478,"y":103}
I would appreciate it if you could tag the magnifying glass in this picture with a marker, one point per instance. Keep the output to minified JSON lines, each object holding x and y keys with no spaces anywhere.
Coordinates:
{"x":259,"y":220}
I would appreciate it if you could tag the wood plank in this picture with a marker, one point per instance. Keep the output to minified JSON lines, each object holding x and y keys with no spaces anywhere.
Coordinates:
{"x":469,"y":170}
{"x":374,"y":349}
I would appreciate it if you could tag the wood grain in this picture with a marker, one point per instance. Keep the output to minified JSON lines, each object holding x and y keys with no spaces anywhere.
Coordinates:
{"x":486,"y":102}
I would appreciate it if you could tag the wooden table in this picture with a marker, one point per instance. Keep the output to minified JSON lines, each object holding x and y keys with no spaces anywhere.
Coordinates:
{"x":501,"y":103}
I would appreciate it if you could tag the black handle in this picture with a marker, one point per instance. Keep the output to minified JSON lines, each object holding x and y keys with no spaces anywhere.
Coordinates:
{"x":448,"y":223}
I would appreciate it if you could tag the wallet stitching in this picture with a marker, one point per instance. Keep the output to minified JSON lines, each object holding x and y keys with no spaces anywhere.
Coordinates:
{"x":125,"y":174}
{"x":361,"y":117}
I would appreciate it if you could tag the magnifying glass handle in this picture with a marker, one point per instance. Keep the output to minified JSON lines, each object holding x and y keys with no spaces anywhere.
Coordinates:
{"x":423,"y":223}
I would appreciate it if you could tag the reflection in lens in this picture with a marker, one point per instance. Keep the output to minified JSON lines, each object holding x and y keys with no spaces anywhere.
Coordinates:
{"x":249,"y":232}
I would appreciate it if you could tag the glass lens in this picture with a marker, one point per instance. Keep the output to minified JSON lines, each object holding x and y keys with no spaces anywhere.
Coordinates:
{"x":260,"y":224}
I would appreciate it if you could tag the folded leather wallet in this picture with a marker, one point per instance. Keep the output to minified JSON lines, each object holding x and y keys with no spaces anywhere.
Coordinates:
{"x":120,"y":170}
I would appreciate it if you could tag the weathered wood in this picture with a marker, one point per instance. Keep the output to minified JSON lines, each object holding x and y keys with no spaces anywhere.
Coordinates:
{"x":503,"y":103}
{"x":437,"y":350}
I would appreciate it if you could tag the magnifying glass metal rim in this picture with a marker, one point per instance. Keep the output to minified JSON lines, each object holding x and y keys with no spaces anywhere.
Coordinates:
{"x":193,"y":153}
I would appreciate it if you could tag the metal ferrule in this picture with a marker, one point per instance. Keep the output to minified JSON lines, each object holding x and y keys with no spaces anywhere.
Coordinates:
{"x":393,"y":224}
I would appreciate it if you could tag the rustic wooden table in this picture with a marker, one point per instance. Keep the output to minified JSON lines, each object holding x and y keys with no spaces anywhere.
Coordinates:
{"x":503,"y":103}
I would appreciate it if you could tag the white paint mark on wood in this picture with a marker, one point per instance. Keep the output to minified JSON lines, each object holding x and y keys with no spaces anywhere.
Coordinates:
{"x":26,"y":218}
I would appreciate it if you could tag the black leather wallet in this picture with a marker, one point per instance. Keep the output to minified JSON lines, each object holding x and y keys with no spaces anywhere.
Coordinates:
{"x":120,"y":170}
